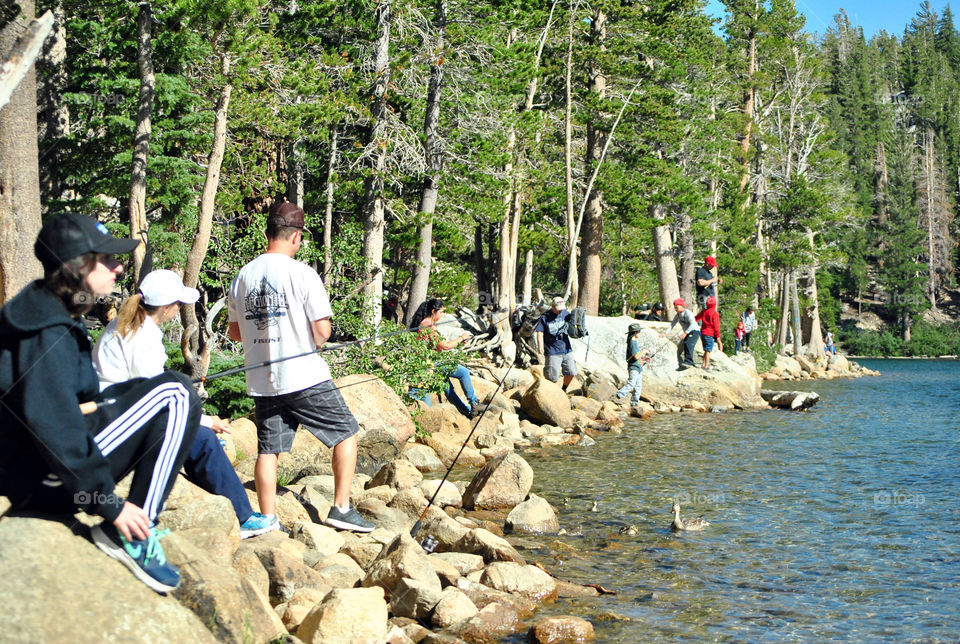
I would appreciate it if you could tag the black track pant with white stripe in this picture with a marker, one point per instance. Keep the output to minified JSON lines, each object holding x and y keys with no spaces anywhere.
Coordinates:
{"x":149,"y":431}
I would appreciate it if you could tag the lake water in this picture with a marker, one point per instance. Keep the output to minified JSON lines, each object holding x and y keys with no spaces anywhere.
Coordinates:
{"x":838,"y":523}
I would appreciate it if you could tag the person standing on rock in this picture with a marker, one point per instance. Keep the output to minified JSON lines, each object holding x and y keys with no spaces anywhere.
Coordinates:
{"x":636,"y":358}
{"x":64,"y":444}
{"x":426,"y":318}
{"x":132,"y":347}
{"x":749,"y":326}
{"x":553,"y":343}
{"x":709,"y":321}
{"x":278,"y":308}
{"x":706,"y":281}
{"x":691,"y":333}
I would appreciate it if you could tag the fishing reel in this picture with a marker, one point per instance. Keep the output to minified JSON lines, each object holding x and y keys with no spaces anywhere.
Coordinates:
{"x":429,"y":544}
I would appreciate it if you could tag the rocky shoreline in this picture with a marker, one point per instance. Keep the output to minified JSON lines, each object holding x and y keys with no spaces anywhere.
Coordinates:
{"x":311,"y":583}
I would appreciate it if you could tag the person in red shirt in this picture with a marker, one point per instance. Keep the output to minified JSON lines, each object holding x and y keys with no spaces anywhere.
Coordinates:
{"x":709,"y":321}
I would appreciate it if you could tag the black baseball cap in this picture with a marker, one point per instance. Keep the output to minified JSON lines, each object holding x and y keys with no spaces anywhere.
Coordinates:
{"x":68,"y":235}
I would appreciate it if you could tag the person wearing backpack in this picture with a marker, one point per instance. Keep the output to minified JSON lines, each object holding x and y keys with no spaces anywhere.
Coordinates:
{"x":553,"y":342}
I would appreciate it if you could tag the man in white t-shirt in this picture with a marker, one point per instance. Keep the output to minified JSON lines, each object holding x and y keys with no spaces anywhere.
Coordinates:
{"x":279,"y":308}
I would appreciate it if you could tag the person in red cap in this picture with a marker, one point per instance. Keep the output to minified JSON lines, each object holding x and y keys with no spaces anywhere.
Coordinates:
{"x":707,"y":281}
{"x":709,"y":321}
{"x":691,"y":333}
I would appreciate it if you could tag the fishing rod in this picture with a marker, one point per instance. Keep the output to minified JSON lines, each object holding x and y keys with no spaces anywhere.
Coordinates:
{"x":326,"y":348}
{"x":429,"y":544}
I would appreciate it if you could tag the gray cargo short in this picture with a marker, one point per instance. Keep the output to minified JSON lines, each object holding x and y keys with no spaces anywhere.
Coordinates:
{"x":560,"y":363}
{"x":320,"y":409}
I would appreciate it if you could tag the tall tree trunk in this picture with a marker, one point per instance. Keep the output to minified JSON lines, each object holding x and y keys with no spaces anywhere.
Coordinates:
{"x":795,"y":306}
{"x":572,"y":287}
{"x":592,"y":243}
{"x":141,"y":136}
{"x":929,"y":173}
{"x":19,"y":172}
{"x":373,"y":212}
{"x":688,"y":266}
{"x":428,"y":195}
{"x":53,"y":113}
{"x":328,"y":212}
{"x":480,"y":262}
{"x":528,"y":277}
{"x":663,"y":254}
{"x":748,"y":99}
{"x":784,"y":310}
{"x":295,"y":172}
{"x":196,"y":343}
{"x":906,"y":321}
{"x":815,"y":343}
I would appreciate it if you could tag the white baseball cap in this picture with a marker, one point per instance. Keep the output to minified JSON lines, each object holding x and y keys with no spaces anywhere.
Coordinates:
{"x":163,"y":287}
{"x":558,"y":302}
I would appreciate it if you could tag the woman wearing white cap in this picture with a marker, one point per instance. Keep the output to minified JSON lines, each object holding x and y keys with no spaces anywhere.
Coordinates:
{"x":132,"y":347}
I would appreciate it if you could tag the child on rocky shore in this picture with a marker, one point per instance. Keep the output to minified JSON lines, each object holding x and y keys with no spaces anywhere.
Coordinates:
{"x":691,"y":333}
{"x":636,"y":358}
{"x":709,"y":321}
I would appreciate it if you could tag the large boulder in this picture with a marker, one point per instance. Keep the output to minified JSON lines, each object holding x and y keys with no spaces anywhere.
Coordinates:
{"x":229,"y":604}
{"x":447,"y":493}
{"x":347,"y":616}
{"x":58,"y":587}
{"x":533,"y":516}
{"x":454,"y":607}
{"x":423,"y":457}
{"x":397,"y":474}
{"x":561,"y":630}
{"x":502,"y":483}
{"x":385,"y":423}
{"x":527,"y":581}
{"x":402,"y":557}
{"x":339,"y":570}
{"x":488,"y":545}
{"x":546,"y":402}
{"x":413,"y":598}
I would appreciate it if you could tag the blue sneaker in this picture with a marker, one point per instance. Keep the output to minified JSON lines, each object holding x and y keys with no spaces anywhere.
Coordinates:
{"x":258,"y":524}
{"x":144,"y":558}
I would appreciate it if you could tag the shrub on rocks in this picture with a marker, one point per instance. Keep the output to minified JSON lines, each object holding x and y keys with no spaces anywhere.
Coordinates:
{"x":346,"y":616}
{"x":563,"y":629}
{"x":526,"y":581}
{"x":502,"y":483}
{"x":397,"y":474}
{"x":547,"y":402}
{"x":454,"y":607}
{"x":533,"y":516}
{"x":402,"y":557}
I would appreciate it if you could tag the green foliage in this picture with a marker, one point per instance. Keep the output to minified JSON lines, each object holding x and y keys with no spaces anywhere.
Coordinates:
{"x":926,"y":340}
{"x":227,"y":395}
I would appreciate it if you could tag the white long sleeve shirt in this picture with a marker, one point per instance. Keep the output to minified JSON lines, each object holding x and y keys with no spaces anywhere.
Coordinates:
{"x":139,"y":355}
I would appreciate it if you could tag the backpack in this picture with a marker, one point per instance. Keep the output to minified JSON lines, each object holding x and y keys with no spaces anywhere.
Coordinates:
{"x":577,"y":323}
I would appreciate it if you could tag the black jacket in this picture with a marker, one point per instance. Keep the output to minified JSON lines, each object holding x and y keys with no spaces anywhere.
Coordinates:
{"x":45,"y":373}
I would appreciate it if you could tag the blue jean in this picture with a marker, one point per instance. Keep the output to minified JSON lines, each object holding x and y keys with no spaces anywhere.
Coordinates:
{"x":462,"y":374}
{"x":736,"y":349}
{"x":208,"y":467}
{"x":635,"y":382}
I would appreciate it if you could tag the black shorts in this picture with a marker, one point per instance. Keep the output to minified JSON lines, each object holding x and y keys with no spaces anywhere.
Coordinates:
{"x":320,"y":409}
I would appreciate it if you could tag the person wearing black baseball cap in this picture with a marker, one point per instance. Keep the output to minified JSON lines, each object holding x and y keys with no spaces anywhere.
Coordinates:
{"x":64,"y":443}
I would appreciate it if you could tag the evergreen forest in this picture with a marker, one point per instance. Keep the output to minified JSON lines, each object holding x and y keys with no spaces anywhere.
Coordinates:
{"x":479,"y":151}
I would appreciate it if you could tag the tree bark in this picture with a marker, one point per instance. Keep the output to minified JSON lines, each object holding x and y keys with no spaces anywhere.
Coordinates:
{"x":53,"y":114}
{"x":429,"y":193}
{"x":688,"y":266}
{"x":572,"y":288}
{"x":23,"y":38}
{"x":815,"y":343}
{"x":784,"y":310}
{"x":528,"y":277}
{"x":328,"y":213}
{"x":592,"y":241}
{"x":795,"y":305}
{"x":141,"y":137}
{"x":666,"y":267}
{"x":197,"y":342}
{"x":295,"y":172}
{"x":19,"y":171}
{"x":374,"y":207}
{"x":748,"y":100}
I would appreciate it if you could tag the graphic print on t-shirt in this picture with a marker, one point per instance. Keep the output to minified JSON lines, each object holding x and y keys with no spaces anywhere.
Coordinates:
{"x":264,"y":305}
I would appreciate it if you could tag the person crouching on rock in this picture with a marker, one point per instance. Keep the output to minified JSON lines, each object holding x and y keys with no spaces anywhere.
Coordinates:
{"x":426,"y":318}
{"x":636,"y":358}
{"x":132,"y":347}
{"x":709,"y":321}
{"x":691,"y":333}
{"x":54,"y":457}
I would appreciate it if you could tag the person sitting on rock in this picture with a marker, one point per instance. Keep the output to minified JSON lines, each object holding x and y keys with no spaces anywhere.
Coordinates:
{"x":132,"y":347}
{"x":636,"y":358}
{"x":426,"y":318}
{"x":709,"y":321}
{"x":691,"y":333}
{"x":656,"y":313}
{"x":64,"y":443}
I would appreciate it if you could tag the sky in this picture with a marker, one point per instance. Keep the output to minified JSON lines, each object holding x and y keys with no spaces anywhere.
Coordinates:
{"x":872,"y":15}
